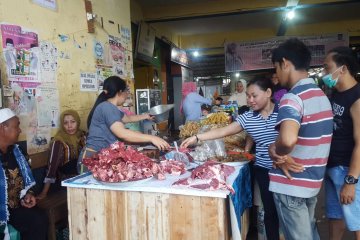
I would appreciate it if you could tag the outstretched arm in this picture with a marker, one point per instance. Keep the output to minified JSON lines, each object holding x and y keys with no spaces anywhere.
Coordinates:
{"x":231,"y":129}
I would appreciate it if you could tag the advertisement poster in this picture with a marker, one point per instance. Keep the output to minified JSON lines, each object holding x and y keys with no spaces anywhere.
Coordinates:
{"x":247,"y":56}
{"x":38,"y":139}
{"x":117,"y":53}
{"x":88,"y":82}
{"x":48,"y":106}
{"x":22,"y":99}
{"x":98,"y":52}
{"x":19,"y":45}
{"x":103,"y":72}
{"x":48,"y":61}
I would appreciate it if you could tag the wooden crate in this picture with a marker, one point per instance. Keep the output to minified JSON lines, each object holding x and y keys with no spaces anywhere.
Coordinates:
{"x":104,"y":214}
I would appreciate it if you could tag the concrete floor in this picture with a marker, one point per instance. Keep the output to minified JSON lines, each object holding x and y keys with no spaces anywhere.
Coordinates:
{"x":322,"y":222}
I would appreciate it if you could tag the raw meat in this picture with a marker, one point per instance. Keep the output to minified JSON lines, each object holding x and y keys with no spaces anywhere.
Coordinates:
{"x":120,"y":163}
{"x":209,"y":176}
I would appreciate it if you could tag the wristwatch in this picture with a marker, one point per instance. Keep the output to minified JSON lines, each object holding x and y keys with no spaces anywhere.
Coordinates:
{"x":350,"y":179}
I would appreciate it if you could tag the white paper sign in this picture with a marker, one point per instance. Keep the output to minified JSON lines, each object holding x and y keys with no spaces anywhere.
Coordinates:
{"x":50,"y":4}
{"x":88,"y":82}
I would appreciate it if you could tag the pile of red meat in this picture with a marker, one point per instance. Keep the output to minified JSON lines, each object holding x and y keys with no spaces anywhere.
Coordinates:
{"x":209,"y":176}
{"x":120,"y":163}
{"x":172,"y":167}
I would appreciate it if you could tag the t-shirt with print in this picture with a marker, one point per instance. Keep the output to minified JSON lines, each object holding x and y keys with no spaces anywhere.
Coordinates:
{"x":307,"y":105}
{"x":343,"y":142}
{"x":262,"y":131}
{"x":100,"y":135}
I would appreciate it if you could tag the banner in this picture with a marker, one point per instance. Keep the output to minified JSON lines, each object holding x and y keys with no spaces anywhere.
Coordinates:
{"x":256,"y":55}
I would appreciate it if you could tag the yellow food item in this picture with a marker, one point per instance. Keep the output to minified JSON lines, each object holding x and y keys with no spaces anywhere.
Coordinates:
{"x":216,"y":118}
{"x":189,"y":129}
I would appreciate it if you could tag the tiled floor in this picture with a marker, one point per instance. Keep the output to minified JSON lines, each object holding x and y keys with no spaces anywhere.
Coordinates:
{"x":321,"y":220}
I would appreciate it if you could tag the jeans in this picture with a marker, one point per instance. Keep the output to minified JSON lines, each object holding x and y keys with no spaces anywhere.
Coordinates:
{"x":334,"y":181}
{"x":270,"y":215}
{"x":296,"y":217}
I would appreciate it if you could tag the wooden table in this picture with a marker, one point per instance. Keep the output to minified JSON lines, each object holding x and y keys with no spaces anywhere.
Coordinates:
{"x":149,"y":215}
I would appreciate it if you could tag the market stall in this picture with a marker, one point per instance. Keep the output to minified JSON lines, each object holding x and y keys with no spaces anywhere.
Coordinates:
{"x":132,"y":192}
{"x":149,"y":210}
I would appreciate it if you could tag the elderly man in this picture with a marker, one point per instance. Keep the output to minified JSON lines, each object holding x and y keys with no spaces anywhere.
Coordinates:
{"x":17,"y":202}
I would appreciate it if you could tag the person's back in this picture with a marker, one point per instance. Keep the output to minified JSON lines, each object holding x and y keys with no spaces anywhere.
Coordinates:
{"x":192,"y":106}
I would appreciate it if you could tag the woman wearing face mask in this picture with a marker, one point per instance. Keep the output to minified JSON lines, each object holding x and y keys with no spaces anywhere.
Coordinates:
{"x":343,"y":167}
{"x":64,"y":152}
{"x":259,"y":123}
{"x":106,"y":121}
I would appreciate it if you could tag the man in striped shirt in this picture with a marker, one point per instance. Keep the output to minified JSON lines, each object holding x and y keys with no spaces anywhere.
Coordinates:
{"x":301,"y":150}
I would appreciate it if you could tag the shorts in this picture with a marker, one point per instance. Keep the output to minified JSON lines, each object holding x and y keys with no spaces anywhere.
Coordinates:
{"x":334,"y":180}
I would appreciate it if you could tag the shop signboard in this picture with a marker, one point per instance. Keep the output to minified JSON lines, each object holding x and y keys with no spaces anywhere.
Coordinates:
{"x":179,"y":56}
{"x":145,"y":42}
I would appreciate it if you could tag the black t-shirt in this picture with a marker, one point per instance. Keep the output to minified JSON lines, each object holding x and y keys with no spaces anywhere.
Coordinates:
{"x":343,"y":143}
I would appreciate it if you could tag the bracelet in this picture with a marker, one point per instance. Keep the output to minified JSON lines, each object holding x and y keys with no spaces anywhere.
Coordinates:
{"x":197,"y":139}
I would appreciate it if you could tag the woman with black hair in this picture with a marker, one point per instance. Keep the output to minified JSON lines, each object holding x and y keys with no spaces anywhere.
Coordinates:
{"x":106,"y":121}
{"x":259,"y":123}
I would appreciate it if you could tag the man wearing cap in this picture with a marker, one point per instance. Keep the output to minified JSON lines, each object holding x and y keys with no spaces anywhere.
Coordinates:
{"x":17,"y":201}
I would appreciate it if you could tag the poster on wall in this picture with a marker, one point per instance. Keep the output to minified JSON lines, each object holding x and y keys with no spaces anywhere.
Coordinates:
{"x":88,"y":82}
{"x":38,"y":139}
{"x":48,"y":53}
{"x":247,"y":56}
{"x":22,"y":99}
{"x":102,"y":73}
{"x":117,"y":53}
{"x":20,"y":53}
{"x":50,"y":4}
{"x":98,"y":52}
{"x":48,"y":106}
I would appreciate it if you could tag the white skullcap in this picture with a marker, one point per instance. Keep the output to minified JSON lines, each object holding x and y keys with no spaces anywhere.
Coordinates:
{"x":6,"y":114}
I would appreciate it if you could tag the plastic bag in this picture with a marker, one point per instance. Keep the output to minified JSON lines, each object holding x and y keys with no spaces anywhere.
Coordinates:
{"x":209,"y":149}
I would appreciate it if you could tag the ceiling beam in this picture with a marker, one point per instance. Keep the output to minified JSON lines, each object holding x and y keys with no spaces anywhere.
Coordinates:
{"x":244,"y":11}
{"x":290,"y":5}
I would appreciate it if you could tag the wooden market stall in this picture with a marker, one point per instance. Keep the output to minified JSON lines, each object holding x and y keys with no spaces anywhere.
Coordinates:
{"x":150,"y":210}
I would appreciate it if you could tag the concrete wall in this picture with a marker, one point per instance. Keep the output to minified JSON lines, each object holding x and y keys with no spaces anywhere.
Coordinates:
{"x":70,"y":20}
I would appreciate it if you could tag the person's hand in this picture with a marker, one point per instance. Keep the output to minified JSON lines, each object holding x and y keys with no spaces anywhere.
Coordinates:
{"x":347,"y":193}
{"x":290,"y":165}
{"x":189,"y":141}
{"x":160,"y":143}
{"x":41,"y":196}
{"x":28,"y":201}
{"x":277,"y":159}
{"x":148,"y":116}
